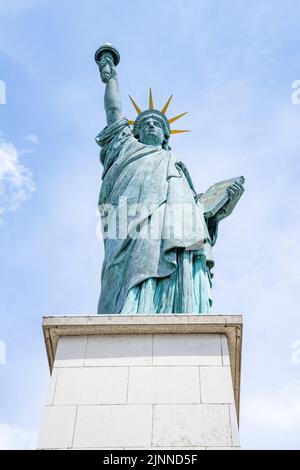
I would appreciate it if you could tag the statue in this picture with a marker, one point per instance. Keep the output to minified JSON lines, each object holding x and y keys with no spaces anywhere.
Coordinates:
{"x":158,"y":231}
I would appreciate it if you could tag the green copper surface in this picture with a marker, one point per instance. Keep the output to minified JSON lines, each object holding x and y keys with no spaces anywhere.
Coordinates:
{"x":162,"y":262}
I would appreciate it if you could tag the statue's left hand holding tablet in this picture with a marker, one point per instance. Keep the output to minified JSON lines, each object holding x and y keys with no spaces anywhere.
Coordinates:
{"x":235,"y":192}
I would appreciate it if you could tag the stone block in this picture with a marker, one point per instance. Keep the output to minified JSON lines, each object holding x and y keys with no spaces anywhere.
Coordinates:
{"x":164,"y":384}
{"x":91,"y":385}
{"x":113,"y":426}
{"x":191,"y":425}
{"x":234,"y":426}
{"x":216,"y":384}
{"x":119,"y":350}
{"x":52,"y":387}
{"x":187,"y":349}
{"x":57,"y":427}
{"x":70,"y":351}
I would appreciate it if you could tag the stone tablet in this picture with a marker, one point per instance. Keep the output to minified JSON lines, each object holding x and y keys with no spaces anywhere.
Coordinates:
{"x":217,"y":195}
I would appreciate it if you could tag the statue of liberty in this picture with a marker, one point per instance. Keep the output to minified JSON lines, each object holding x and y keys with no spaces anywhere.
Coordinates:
{"x":158,"y":231}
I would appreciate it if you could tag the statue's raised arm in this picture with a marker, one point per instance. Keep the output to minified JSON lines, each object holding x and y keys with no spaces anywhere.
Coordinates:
{"x":107,"y":58}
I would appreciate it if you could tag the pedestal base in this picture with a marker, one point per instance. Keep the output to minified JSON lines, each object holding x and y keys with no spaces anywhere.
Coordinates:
{"x":142,"y":382}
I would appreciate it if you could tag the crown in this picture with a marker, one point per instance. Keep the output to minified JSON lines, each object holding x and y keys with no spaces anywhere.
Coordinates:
{"x":159,"y":114}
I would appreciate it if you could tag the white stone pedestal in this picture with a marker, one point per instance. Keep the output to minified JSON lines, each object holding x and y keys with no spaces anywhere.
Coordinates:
{"x":142,"y":382}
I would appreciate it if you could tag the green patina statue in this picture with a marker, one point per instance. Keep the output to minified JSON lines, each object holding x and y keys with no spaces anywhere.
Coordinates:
{"x":158,"y":231}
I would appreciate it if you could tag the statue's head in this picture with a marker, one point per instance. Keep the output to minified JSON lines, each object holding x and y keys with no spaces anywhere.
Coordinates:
{"x":152,"y":128}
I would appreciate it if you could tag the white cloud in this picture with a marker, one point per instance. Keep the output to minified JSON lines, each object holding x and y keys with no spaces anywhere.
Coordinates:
{"x":16,"y":184}
{"x":33,"y":138}
{"x":276,"y":411}
{"x":16,"y":437}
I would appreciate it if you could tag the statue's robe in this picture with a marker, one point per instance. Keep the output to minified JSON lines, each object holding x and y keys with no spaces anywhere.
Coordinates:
{"x":165,"y":273}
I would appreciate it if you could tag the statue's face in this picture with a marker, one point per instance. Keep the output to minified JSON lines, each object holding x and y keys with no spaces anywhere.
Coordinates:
{"x":151,"y":132}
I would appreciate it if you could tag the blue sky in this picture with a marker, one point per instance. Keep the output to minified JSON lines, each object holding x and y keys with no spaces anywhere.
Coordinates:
{"x":231,"y":65}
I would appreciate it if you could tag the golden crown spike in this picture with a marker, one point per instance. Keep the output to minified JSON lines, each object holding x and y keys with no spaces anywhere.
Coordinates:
{"x":166,"y":105}
{"x":138,"y":110}
{"x":150,"y":99}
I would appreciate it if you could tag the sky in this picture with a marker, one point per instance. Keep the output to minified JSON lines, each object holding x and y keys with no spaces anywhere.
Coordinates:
{"x":232,"y":65}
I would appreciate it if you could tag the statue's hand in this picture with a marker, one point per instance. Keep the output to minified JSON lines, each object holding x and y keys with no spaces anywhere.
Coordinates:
{"x":235,"y":191}
{"x":107,"y":69}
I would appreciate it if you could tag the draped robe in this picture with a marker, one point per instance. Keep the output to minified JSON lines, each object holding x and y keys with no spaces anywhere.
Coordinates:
{"x":165,"y":273}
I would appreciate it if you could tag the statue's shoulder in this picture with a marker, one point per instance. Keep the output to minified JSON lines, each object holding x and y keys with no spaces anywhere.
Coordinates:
{"x":119,"y":130}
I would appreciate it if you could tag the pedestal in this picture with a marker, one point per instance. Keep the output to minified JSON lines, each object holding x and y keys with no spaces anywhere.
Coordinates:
{"x":142,"y":382}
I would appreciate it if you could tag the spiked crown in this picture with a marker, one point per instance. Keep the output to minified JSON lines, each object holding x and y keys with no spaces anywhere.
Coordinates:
{"x":142,"y":115}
